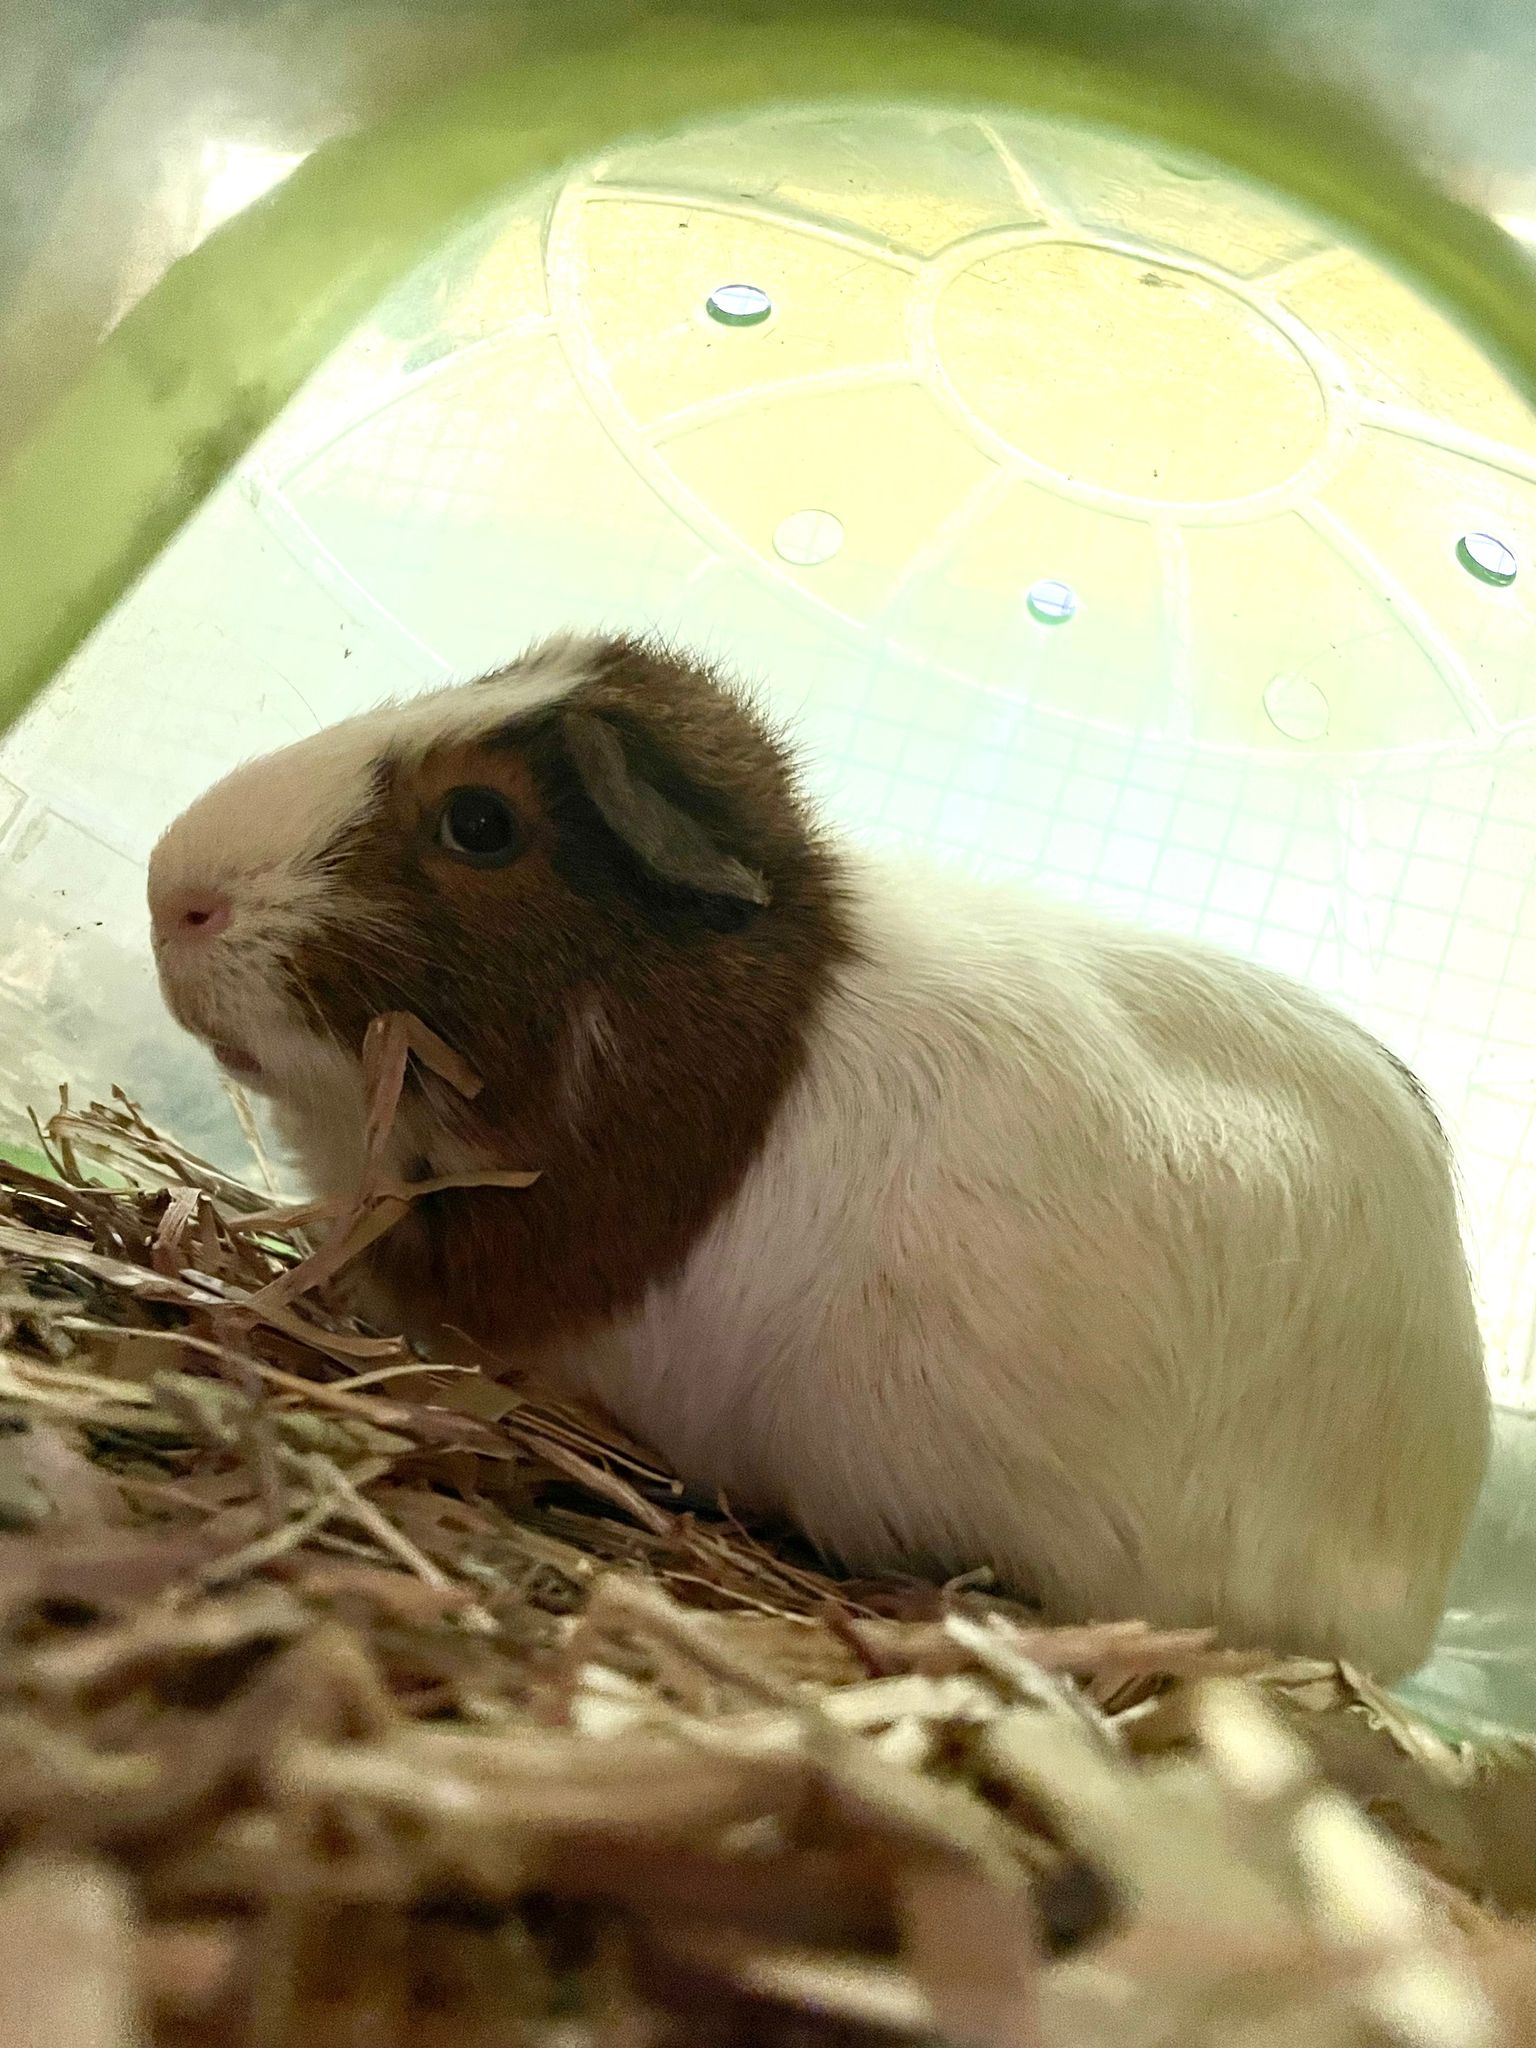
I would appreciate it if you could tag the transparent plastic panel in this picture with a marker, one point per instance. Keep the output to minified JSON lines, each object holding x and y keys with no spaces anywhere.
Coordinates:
{"x":1092,"y":518}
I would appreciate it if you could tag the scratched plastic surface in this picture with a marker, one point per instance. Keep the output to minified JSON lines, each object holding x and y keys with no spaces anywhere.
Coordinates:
{"x":1094,"y":518}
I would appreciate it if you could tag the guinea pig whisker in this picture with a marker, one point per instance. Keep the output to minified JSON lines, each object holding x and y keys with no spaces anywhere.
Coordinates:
{"x":381,"y":942}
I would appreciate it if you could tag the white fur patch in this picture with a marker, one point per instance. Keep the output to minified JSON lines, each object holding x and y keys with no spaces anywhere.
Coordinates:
{"x":550,"y":673}
{"x":1115,"y":1264}
{"x":271,"y":816}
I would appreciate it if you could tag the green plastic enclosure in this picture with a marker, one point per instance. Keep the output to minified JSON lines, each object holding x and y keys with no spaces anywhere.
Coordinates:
{"x":1105,"y":431}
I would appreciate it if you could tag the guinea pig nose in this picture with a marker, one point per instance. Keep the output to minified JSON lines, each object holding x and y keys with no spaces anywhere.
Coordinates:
{"x":190,"y":914}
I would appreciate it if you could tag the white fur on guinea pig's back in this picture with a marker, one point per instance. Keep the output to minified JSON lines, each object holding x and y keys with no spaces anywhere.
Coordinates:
{"x":1117,"y":1265}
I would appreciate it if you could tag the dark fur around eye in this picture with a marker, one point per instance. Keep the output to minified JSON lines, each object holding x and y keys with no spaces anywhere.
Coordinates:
{"x":479,"y":827}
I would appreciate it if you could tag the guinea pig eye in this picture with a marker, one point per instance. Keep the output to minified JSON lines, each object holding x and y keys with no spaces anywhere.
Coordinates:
{"x":479,"y":827}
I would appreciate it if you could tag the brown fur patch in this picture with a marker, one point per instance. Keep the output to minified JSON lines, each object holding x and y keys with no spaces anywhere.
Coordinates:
{"x":634,"y":1037}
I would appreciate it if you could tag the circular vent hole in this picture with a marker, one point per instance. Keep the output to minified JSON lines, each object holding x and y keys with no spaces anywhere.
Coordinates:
{"x":1296,"y":708}
{"x":1052,"y":602}
{"x":738,"y":305}
{"x":1489,"y":559}
{"x":808,"y":538}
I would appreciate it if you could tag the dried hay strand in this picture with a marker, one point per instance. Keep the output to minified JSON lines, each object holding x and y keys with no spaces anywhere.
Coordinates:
{"x":350,"y":1695}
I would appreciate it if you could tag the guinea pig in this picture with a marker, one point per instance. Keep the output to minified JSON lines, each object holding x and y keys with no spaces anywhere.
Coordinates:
{"x":956,"y":1225}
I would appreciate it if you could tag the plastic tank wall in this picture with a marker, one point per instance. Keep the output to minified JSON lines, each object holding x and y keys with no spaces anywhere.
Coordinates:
{"x":1090,"y":516}
{"x":1094,"y":515}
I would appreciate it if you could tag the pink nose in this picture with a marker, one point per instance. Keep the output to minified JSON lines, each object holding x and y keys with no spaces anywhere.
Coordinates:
{"x":189,"y":914}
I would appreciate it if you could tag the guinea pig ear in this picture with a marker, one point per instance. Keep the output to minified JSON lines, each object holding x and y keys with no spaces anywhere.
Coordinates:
{"x":671,"y":844}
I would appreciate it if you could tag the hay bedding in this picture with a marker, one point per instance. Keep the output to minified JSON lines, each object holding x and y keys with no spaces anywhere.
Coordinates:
{"x":348,"y":1698}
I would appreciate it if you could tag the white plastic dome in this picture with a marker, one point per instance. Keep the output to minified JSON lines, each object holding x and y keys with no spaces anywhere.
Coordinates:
{"x":1091,"y":516}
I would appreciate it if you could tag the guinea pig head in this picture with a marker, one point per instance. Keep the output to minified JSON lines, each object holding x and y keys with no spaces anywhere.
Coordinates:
{"x":592,"y":875}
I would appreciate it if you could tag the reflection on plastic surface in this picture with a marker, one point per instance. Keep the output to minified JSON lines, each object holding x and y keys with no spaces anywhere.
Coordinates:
{"x":1482,"y":1679}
